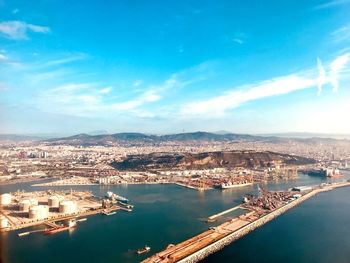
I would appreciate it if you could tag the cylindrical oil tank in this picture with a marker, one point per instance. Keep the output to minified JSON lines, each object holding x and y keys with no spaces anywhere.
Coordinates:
{"x":3,"y":222}
{"x":33,"y":202}
{"x":67,"y":207}
{"x":44,"y":211}
{"x":38,"y":212}
{"x":34,"y":212}
{"x":24,"y":205}
{"x":5,"y":199}
{"x":53,"y":201}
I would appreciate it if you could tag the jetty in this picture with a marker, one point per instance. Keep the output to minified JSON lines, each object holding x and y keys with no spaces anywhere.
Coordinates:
{"x":214,"y":217}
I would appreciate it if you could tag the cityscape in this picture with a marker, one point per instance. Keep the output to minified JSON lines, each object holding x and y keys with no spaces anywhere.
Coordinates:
{"x":186,"y":131}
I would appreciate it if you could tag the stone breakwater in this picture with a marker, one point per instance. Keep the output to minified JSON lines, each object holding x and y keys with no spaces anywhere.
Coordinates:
{"x":218,"y":245}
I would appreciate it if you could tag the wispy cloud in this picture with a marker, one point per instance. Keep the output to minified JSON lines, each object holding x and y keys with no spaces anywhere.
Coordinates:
{"x":341,"y":34}
{"x":238,"y":41}
{"x":106,"y":90}
{"x":89,"y":99}
{"x":18,"y":30}
{"x":3,"y":57}
{"x":333,"y":3}
{"x":219,"y":105}
{"x":321,"y":77}
{"x":336,"y":67}
{"x":65,"y":60}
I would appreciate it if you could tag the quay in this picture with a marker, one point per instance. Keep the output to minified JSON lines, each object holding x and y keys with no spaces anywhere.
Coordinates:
{"x":214,"y":217}
{"x":51,"y":221}
{"x":210,"y":241}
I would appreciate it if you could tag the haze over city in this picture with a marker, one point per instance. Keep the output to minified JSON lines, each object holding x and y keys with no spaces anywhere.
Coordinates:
{"x":151,"y":67}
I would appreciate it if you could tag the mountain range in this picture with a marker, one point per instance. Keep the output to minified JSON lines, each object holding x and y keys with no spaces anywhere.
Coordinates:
{"x":111,"y":139}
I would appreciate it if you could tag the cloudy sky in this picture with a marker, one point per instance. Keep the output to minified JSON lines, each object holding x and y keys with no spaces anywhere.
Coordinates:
{"x":171,"y":66}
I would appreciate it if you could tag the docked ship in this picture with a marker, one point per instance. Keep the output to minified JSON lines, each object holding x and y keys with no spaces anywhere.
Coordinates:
{"x":143,"y":250}
{"x":113,"y":196}
{"x":326,"y":172}
{"x":317,"y":172}
{"x":233,"y":185}
{"x":54,"y":230}
{"x":121,"y":199}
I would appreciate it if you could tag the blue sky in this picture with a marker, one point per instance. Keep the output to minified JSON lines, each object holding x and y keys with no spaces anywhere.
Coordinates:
{"x":166,"y":66}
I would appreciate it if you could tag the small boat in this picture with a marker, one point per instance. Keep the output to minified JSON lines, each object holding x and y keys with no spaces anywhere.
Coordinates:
{"x":143,"y":250}
{"x":23,"y":234}
{"x":108,"y":213}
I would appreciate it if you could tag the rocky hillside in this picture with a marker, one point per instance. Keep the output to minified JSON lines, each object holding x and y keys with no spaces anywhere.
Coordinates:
{"x":206,"y":160}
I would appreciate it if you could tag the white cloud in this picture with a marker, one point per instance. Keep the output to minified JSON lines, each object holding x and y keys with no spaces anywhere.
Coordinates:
{"x":341,"y":34}
{"x":18,"y":30}
{"x":86,"y":99}
{"x":219,"y":105}
{"x":333,"y":3}
{"x":67,"y":59}
{"x":238,"y":41}
{"x":336,"y":67}
{"x":2,"y":57}
{"x":321,"y":76}
{"x":106,"y":90}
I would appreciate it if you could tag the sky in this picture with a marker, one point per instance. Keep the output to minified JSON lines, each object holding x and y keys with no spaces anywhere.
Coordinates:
{"x":156,"y":66}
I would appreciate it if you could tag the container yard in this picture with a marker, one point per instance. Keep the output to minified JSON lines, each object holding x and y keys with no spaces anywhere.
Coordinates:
{"x":25,"y":209}
{"x":262,"y":209}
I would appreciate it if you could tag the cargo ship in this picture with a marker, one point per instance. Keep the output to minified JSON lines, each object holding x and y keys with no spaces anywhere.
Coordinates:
{"x":113,"y":196}
{"x":143,"y":250}
{"x":232,"y":185}
{"x":326,"y":172}
{"x":54,"y":230}
{"x":317,"y":172}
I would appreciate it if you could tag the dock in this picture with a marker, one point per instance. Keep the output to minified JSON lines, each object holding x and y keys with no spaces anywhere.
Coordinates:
{"x":214,"y":217}
{"x":210,"y":241}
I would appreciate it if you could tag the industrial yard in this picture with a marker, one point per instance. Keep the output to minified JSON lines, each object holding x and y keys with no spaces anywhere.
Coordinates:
{"x":23,"y":209}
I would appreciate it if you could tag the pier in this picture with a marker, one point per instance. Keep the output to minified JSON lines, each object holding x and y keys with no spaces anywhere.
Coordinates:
{"x":214,"y":217}
{"x":214,"y":239}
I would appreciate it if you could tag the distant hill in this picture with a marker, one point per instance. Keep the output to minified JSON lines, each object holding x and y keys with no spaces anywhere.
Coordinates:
{"x":135,"y":138}
{"x":307,"y":135}
{"x":108,"y":139}
{"x":17,"y":137}
{"x":207,"y":160}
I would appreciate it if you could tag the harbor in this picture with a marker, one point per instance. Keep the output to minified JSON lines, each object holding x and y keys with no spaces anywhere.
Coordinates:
{"x":214,"y":239}
{"x":156,"y":222}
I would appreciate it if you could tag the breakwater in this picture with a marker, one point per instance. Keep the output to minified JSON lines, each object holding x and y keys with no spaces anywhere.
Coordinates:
{"x":188,"y":254}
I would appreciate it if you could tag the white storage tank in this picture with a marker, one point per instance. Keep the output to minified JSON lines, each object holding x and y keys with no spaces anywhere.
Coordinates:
{"x":5,"y":199}
{"x":38,"y":212}
{"x":67,"y":207}
{"x":53,"y":201}
{"x":34,"y":212}
{"x":44,"y":211}
{"x":33,"y":202}
{"x":24,"y":205}
{"x":3,"y":222}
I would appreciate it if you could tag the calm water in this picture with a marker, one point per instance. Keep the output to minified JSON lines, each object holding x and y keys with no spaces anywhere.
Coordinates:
{"x":315,"y":231}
